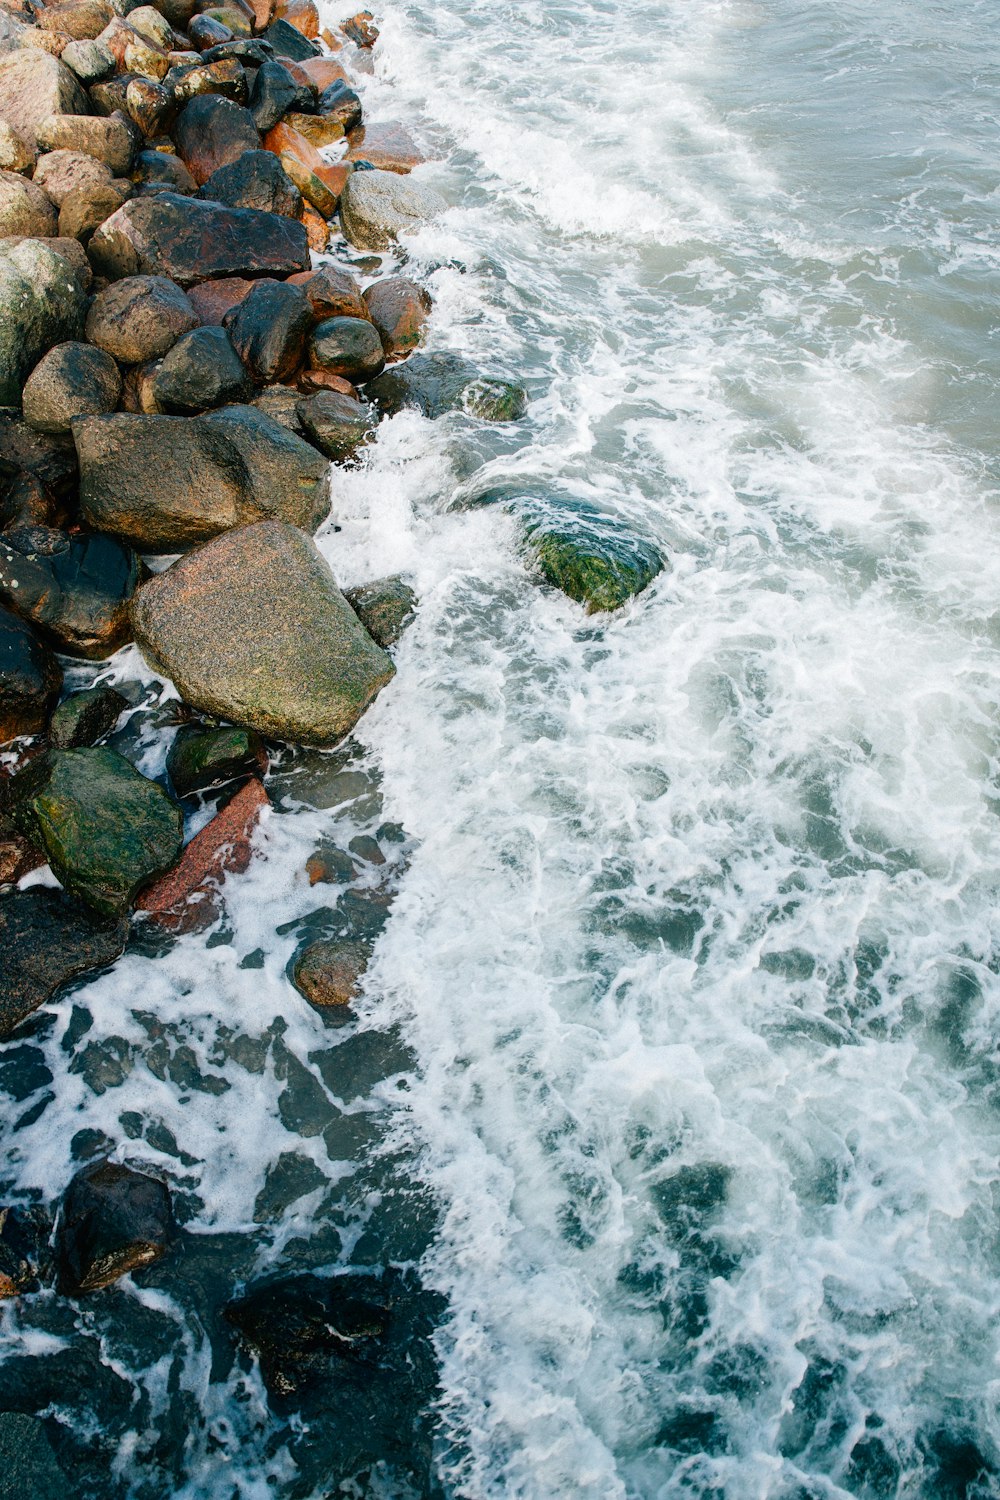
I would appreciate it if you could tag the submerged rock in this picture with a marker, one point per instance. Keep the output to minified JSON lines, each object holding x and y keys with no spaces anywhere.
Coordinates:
{"x":384,"y":607}
{"x":438,"y":383}
{"x":84,"y":718}
{"x":329,"y":973}
{"x":191,"y":241}
{"x":41,"y":304}
{"x":253,"y":628}
{"x":106,"y":829}
{"x":30,"y":679}
{"x":27,"y":1461}
{"x":76,"y":589}
{"x":113,"y":1220}
{"x":200,"y":759}
{"x":597,"y":566}
{"x":24,"y":1255}
{"x":298,"y":1325}
{"x":376,"y":207}
{"x":49,"y":940}
{"x":166,"y":483}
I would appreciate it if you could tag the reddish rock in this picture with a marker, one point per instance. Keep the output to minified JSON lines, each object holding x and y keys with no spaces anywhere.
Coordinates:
{"x":361,"y":29}
{"x":211,"y":132}
{"x":284,"y":141}
{"x":310,"y":382}
{"x":388,"y":147}
{"x":329,"y":973}
{"x":302,"y":14}
{"x":213,"y":299}
{"x":333,"y":293}
{"x":310,"y":184}
{"x":399,"y":309}
{"x":34,"y":86}
{"x":322,"y":71}
{"x":317,"y":230}
{"x":263,"y":13}
{"x":188,"y":898}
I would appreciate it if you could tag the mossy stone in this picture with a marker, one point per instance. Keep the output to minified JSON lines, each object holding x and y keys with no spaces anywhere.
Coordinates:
{"x":384,"y":607}
{"x":600,"y":571}
{"x":496,"y":400}
{"x":84,"y":718}
{"x":203,"y":758}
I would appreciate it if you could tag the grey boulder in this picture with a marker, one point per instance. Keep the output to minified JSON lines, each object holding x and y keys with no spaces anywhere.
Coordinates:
{"x":41,"y":304}
{"x":376,"y":207}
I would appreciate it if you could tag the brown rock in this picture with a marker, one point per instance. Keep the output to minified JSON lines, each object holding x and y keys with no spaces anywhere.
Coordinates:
{"x":318,"y":130}
{"x":225,"y":77}
{"x":311,"y":382}
{"x":332,"y":293}
{"x":399,"y":309}
{"x":139,"y":390}
{"x":211,"y":132}
{"x":116,"y":36}
{"x":85,"y":209}
{"x":25,"y":210}
{"x":322,"y":71}
{"x":15,"y":153}
{"x":139,"y":318}
{"x":150,"y":106}
{"x":302,"y":14}
{"x":107,"y":138}
{"x":317,"y":230}
{"x":263,"y":13}
{"x":146,"y":61}
{"x":329,"y":974}
{"x":389,"y":147}
{"x":361,"y":29}
{"x":149,"y":23}
{"x":310,"y":184}
{"x":34,"y":86}
{"x":284,"y":141}
{"x":213,"y":299}
{"x":84,"y":20}
{"x":188,"y":898}
{"x":60,"y":173}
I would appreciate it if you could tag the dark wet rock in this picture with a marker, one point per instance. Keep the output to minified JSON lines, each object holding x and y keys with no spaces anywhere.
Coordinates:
{"x":211,"y":300}
{"x":75,"y":589}
{"x":25,"y":210}
{"x":252,"y":52}
{"x":205,"y":33}
{"x":107,"y":830}
{"x":225,"y":77}
{"x":438,"y":383}
{"x":332,"y":293}
{"x":211,"y":132}
{"x":113,"y":1220}
{"x":593,"y":561}
{"x":255,"y":180}
{"x":193,"y":241}
{"x":384,"y":607}
{"x":202,"y":370}
{"x":84,"y":718}
{"x":350,"y":347}
{"x":139,"y":318}
{"x":33,"y":86}
{"x":108,"y":139}
{"x":337,"y":424}
{"x":49,"y":461}
{"x":151,"y":106}
{"x":24,"y":1251}
{"x":49,"y":940}
{"x":30,"y":679}
{"x":90,"y":60}
{"x":201,"y":759}
{"x":299,"y":1325}
{"x":288,"y":42}
{"x":253,"y":628}
{"x":329,"y":974}
{"x":28,"y":1466}
{"x":281,"y":402}
{"x":399,"y":310}
{"x":60,"y":173}
{"x":164,"y":169}
{"x":376,"y":207}
{"x":312,"y":382}
{"x":269,"y":328}
{"x":86,"y":208}
{"x":275,"y":92}
{"x":72,"y":380}
{"x":27,"y":503}
{"x":339,"y":102}
{"x":212,"y":472}
{"x":41,"y":304}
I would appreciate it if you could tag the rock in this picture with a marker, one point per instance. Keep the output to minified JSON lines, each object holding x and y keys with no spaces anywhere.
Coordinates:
{"x":388,"y":146}
{"x":138,"y":394}
{"x":235,"y":21}
{"x":26,"y":503}
{"x":178,"y":12}
{"x":193,"y":241}
{"x":110,"y":97}
{"x":310,"y":185}
{"x":329,"y":974}
{"x":24,"y":209}
{"x":144,"y":61}
{"x":48,"y":460}
{"x":274,"y":93}
{"x":438,"y":383}
{"x":384,"y":607}
{"x":281,"y":403}
{"x":253,"y":628}
{"x":30,"y":679}
{"x":148,"y":22}
{"x":70,"y":251}
{"x":84,"y":718}
{"x":205,"y":33}
{"x":150,"y":105}
{"x":139,"y":318}
{"x":223,"y":469}
{"x":339,"y":102}
{"x":321,"y":72}
{"x":269,"y":328}
{"x":108,"y":140}
{"x":162,"y":169}
{"x":302,"y":14}
{"x":41,"y":305}
{"x":332,"y":293}
{"x":49,"y":940}
{"x":593,"y":562}
{"x":250,"y":52}
{"x":107,"y":831}
{"x":317,"y":230}
{"x":399,"y":309}
{"x":15,"y":153}
{"x":91,"y":61}
{"x":85,"y":209}
{"x":350,"y":347}
{"x":311,"y":382}
{"x":83,"y":20}
{"x":255,"y":180}
{"x":225,"y":77}
{"x":63,"y":172}
{"x":27,"y":1463}
{"x":337,"y":424}
{"x":299,"y":1325}
{"x":188,"y":899}
{"x":211,"y":132}
{"x":24,"y":1254}
{"x":318,"y":130}
{"x":33,"y":86}
{"x":201,"y":759}
{"x":72,"y":380}
{"x":361,"y":29}
{"x":376,"y":207}
{"x":202,"y":370}
{"x":287,"y":42}
{"x":113,"y":1220}
{"x":74,"y":589}
{"x":211,"y":300}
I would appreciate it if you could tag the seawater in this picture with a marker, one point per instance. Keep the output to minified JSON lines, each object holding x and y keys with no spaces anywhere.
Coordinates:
{"x":677,"y":1077}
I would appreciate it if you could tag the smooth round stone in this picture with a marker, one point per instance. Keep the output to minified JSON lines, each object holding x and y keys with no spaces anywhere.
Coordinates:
{"x":72,"y":380}
{"x":347,"y":346}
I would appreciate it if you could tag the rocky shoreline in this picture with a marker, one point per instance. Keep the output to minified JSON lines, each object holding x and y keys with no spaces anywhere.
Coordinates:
{"x":182,"y":359}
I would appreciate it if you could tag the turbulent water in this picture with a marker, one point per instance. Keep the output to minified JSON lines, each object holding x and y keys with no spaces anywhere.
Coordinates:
{"x":677,"y":1079}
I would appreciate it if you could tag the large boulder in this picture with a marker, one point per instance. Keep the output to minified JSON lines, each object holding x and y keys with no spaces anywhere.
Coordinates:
{"x":75,"y":588}
{"x":24,"y":208}
{"x":33,"y":86}
{"x":212,"y":132}
{"x":91,"y":61}
{"x":85,"y":208}
{"x":41,"y":304}
{"x":438,"y":383}
{"x":107,"y":831}
{"x":202,"y":370}
{"x":193,"y":241}
{"x":113,"y":1220}
{"x":253,"y":628}
{"x":254,"y":180}
{"x":166,"y":483}
{"x":376,"y":207}
{"x":350,"y":347}
{"x":269,"y":327}
{"x":109,"y":140}
{"x":82,"y":20}
{"x":49,"y":940}
{"x":72,"y":380}
{"x":332,"y":293}
{"x":30,"y":679}
{"x":275,"y":91}
{"x":139,"y":318}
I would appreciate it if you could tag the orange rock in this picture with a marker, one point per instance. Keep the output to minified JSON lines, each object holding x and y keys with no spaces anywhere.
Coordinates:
{"x":328,"y":39}
{"x":188,"y":898}
{"x":317,"y":230}
{"x":213,"y":299}
{"x":302,"y":14}
{"x":329,"y":974}
{"x":334,"y":174}
{"x":282,"y":139}
{"x":319,"y":130}
{"x":311,"y":381}
{"x":263,"y":13}
{"x":310,"y":184}
{"x":332,"y":293}
{"x":322,"y":71}
{"x":301,"y":78}
{"x":361,"y":29}
{"x":389,"y":147}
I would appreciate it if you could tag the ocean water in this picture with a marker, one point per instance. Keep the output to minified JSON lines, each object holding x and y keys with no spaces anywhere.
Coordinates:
{"x":671,"y":1111}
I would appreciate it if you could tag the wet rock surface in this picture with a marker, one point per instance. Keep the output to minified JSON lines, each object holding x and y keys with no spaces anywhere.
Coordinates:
{"x":28,"y":1465}
{"x":376,"y":207}
{"x":72,"y":380}
{"x":41,"y":304}
{"x":202,"y":370}
{"x":49,"y":941}
{"x":384,"y":607}
{"x":30,"y":678}
{"x":86,"y":717}
{"x":439,"y":383}
{"x":139,"y":318}
{"x":594,"y":563}
{"x":269,"y":327}
{"x":337,"y":424}
{"x":350,"y":347}
{"x":256,"y":179}
{"x":192,"y":241}
{"x":200,"y":759}
{"x":75,"y":588}
{"x":213,"y":132}
{"x":113,"y":1220}
{"x":329,"y":973}
{"x":24,"y":1250}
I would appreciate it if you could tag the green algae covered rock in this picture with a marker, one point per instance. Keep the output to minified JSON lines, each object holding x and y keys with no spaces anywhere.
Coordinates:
{"x":106,"y":829}
{"x":438,"y":383}
{"x":202,"y":758}
{"x":596,"y":566}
